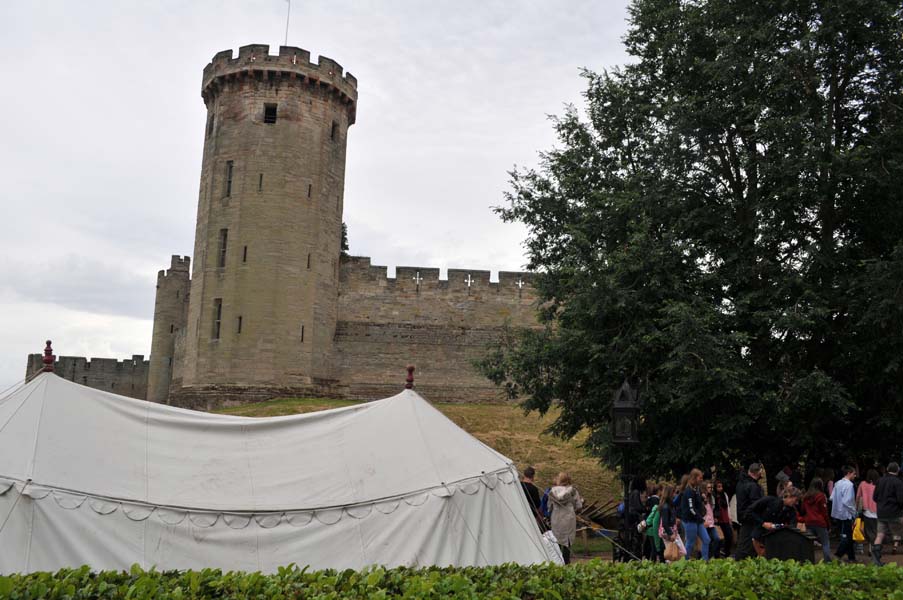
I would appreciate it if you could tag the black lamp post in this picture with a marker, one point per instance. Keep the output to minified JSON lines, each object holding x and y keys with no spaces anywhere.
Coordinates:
{"x":625,"y":415}
{"x":625,"y":419}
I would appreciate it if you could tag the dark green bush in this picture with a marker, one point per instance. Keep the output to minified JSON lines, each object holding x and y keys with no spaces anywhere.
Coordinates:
{"x":748,"y":580}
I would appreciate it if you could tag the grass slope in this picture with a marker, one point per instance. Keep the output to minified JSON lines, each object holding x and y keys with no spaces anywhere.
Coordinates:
{"x":502,"y":426}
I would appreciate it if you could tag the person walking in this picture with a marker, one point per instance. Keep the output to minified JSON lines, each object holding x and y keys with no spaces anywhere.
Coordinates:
{"x":888,"y":498}
{"x":565,"y":501}
{"x":748,"y":492}
{"x":692,"y":515}
{"x":708,"y":520}
{"x":723,"y":518}
{"x":865,"y":503}
{"x":843,"y":508}
{"x":667,"y":521}
{"x":814,"y":514}
{"x":634,"y":513}
{"x":654,"y":548}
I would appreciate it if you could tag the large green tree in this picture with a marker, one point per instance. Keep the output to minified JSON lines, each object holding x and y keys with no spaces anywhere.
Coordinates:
{"x":723,"y":222}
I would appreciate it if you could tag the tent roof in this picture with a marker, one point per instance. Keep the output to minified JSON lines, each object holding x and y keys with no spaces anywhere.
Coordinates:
{"x":66,"y":436}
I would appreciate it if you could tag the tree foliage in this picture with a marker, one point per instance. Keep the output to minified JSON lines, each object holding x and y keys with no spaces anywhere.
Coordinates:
{"x":724,"y":222}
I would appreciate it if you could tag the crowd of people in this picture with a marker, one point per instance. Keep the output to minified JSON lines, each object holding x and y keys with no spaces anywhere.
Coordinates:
{"x":699,"y":518}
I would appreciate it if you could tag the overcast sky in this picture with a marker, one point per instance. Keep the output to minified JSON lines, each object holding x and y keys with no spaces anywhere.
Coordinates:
{"x":101,"y":132}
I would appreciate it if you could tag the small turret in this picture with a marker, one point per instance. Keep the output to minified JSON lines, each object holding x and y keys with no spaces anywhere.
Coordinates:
{"x":170,"y":315}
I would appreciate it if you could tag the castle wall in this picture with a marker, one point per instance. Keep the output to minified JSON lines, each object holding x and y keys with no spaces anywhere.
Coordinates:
{"x":126,"y":377}
{"x":440,"y":326}
{"x":170,"y":316}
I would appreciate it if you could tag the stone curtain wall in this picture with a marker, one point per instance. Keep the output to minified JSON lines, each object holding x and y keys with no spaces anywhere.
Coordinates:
{"x":441,"y":326}
{"x":126,"y":377}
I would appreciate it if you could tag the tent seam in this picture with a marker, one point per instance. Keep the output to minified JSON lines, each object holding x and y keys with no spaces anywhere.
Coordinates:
{"x":18,"y":408}
{"x":37,"y":434}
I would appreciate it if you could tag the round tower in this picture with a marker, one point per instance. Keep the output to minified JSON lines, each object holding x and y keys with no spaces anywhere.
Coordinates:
{"x":262,"y":312}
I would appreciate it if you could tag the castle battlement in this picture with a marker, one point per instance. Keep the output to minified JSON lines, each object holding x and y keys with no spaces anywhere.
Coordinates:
{"x":255,"y":60}
{"x":127,"y":377}
{"x":180,"y":266}
{"x":359,"y":270}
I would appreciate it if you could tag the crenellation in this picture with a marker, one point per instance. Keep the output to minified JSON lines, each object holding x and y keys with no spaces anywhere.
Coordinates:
{"x":467,"y":279}
{"x":414,"y":278}
{"x":330,"y":67}
{"x":360,"y":269}
{"x":255,"y":60}
{"x":515,"y":279}
{"x":253,"y":52}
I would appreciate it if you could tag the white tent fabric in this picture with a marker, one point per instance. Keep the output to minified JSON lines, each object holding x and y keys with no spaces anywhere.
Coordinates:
{"x":89,"y":477}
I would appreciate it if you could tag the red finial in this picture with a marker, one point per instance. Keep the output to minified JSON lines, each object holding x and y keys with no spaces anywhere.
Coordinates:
{"x":48,"y":359}
{"x":409,"y":382}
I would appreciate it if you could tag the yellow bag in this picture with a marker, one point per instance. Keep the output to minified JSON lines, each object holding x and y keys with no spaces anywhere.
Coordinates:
{"x":858,"y":531}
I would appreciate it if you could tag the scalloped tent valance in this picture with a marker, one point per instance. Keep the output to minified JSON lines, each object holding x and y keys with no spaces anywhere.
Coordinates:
{"x":88,"y":477}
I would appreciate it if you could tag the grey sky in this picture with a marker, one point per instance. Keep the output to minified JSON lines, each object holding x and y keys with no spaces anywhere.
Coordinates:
{"x":101,"y":131}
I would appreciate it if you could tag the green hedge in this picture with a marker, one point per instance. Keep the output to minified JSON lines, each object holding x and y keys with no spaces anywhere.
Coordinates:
{"x":747,"y":580}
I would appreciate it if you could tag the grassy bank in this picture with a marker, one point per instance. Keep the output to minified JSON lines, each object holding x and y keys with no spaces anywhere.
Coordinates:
{"x":501,"y":426}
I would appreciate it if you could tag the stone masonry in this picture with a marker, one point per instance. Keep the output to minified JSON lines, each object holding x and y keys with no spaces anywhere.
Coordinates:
{"x":269,"y":308}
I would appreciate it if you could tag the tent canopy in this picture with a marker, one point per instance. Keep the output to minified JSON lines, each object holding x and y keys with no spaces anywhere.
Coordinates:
{"x":89,"y":477}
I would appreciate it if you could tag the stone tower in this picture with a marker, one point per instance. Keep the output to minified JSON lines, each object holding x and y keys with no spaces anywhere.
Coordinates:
{"x":262,"y":311}
{"x":170,"y":309}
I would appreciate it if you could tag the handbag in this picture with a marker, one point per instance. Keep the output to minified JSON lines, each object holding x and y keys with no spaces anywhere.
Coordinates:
{"x":716,"y":533}
{"x":672,"y":552}
{"x":859,"y":531}
{"x":680,"y":545}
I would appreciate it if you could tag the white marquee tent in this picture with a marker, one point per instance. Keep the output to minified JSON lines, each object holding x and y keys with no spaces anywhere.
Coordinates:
{"x":89,"y":477}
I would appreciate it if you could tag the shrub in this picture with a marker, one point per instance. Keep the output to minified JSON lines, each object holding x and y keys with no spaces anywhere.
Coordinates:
{"x":748,"y":580}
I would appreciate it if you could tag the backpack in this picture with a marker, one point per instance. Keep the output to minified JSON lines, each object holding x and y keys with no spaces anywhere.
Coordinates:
{"x":544,"y":504}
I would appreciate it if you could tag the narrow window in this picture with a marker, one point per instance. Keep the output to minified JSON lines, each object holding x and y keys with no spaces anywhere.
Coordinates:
{"x":172,"y":328}
{"x":229,"y":168}
{"x":177,"y":294}
{"x":239,"y":324}
{"x":223,"y":241}
{"x":269,"y":113}
{"x":310,"y":189}
{"x":334,"y":134}
{"x":260,"y":183}
{"x":217,"y":316}
{"x":210,"y":121}
{"x":244,"y":255}
{"x":113,"y":386}
{"x":170,"y":361}
{"x":302,"y":333}
{"x":308,"y":260}
{"x":85,"y":380}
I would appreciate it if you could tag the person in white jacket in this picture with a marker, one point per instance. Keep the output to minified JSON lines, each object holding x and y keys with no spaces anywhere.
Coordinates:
{"x":565,"y":501}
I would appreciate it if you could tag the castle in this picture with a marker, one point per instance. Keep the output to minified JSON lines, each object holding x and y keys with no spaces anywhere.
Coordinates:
{"x":270,"y":307}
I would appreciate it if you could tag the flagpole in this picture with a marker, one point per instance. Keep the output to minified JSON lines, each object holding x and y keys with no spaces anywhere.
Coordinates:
{"x":288,"y":14}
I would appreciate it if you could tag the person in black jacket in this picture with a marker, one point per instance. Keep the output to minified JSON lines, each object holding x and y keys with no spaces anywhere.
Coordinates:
{"x":888,"y":497}
{"x":635,"y":511}
{"x":771,"y":512}
{"x":748,"y":492}
{"x":666,"y":514}
{"x":692,"y":515}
